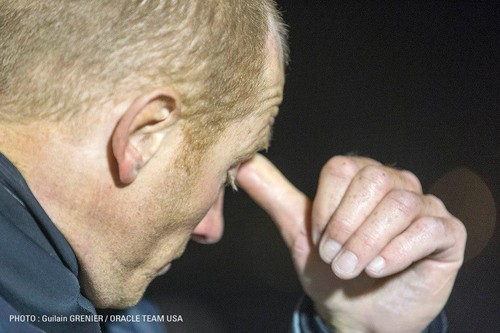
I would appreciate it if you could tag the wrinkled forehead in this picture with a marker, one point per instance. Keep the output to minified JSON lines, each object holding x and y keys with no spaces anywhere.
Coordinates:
{"x":278,"y":37}
{"x":274,"y":71}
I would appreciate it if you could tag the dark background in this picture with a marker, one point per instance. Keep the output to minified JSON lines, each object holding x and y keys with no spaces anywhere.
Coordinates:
{"x":410,"y":83}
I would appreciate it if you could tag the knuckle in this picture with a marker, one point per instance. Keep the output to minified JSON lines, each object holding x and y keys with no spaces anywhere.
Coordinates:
{"x":377,"y":175}
{"x":339,"y":228}
{"x":413,"y":180}
{"x":430,"y":225}
{"x":340,"y":166}
{"x":400,"y":250}
{"x":436,"y":202}
{"x":405,"y":202}
{"x":460,"y":232}
{"x":404,"y":247}
{"x":366,"y":240}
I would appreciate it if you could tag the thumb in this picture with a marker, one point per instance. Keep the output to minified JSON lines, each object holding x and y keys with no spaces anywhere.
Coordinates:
{"x":288,"y":207}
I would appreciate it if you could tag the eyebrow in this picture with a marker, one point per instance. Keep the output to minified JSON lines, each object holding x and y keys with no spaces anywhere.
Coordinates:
{"x":262,"y":144}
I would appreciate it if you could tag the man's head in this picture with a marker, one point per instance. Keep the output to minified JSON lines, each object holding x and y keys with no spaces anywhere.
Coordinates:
{"x":62,"y":58}
{"x":125,"y":118}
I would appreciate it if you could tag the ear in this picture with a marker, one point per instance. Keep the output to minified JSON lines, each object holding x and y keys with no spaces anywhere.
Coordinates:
{"x":141,"y":129}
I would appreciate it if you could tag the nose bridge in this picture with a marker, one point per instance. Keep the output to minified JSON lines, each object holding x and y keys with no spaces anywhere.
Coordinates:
{"x":211,"y":227}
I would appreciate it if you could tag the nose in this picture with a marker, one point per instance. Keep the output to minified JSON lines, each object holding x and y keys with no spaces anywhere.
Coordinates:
{"x":211,"y":228}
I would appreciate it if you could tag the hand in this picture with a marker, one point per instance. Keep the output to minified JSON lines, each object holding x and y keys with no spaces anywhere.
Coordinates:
{"x":372,"y":252}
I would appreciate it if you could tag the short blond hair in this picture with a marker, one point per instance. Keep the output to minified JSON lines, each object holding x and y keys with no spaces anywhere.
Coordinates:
{"x":60,"y":57}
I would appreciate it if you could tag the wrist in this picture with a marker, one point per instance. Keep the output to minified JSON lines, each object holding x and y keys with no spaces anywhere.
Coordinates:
{"x":339,"y":322}
{"x":342,"y":322}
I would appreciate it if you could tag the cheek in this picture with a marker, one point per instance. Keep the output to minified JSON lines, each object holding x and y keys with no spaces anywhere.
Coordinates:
{"x":204,"y":199}
{"x":193,"y":203}
{"x":189,"y":193}
{"x":179,"y":220}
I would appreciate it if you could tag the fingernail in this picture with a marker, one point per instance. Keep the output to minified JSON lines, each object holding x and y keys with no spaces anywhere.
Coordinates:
{"x":345,"y":263}
{"x":376,"y":265}
{"x":329,"y":250}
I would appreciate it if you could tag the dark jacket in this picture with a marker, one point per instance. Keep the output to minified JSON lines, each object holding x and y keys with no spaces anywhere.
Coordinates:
{"x":39,"y":287}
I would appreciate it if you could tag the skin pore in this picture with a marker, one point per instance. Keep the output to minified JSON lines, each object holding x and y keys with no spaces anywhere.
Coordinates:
{"x":124,"y":235}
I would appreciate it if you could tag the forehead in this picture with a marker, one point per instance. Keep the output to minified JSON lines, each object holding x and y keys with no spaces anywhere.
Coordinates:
{"x":256,"y":130}
{"x":273,"y":79}
{"x":275,"y":61}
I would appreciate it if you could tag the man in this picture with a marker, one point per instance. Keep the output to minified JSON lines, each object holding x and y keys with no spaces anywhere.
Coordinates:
{"x":121,"y":122}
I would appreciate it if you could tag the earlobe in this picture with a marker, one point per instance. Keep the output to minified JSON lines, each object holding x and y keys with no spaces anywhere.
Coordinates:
{"x":141,"y":129}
